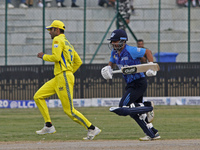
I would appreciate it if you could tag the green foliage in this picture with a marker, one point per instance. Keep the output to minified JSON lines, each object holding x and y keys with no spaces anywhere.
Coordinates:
{"x":173,"y":122}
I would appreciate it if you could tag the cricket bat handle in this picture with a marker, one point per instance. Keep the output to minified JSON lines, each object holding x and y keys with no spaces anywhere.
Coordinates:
{"x":116,"y":71}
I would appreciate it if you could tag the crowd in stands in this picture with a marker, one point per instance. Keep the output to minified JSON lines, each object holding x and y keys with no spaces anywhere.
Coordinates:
{"x":125,"y":8}
{"x":102,"y":3}
{"x":29,"y":3}
{"x":194,"y":3}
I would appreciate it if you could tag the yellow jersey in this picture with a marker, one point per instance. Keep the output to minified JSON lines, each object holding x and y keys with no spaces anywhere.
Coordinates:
{"x":64,"y":56}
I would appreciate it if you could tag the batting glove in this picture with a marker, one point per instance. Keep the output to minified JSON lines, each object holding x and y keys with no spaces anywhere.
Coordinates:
{"x":150,"y":72}
{"x":106,"y":72}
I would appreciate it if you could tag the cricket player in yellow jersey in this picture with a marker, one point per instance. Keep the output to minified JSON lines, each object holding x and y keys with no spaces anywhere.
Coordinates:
{"x":67,"y":61}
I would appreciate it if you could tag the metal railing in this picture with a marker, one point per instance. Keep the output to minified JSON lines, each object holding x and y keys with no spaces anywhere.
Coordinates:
{"x":174,"y":79}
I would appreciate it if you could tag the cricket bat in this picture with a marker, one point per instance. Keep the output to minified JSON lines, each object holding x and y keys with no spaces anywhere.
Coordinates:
{"x":137,"y":68}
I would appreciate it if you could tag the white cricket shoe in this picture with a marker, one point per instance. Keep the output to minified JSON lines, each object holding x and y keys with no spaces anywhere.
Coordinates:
{"x":147,"y":138}
{"x":59,"y":4}
{"x":92,"y":133}
{"x":40,"y":4}
{"x":46,"y":130}
{"x":113,"y":108}
{"x":22,"y":5}
{"x":150,"y":115}
{"x":10,"y":5}
{"x":48,"y":4}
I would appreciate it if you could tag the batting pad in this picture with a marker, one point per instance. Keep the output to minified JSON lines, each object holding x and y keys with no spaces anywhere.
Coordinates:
{"x":148,"y":131}
{"x":124,"y":111}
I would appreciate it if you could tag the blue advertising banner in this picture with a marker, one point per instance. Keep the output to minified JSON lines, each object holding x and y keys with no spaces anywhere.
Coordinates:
{"x":98,"y":102}
{"x":17,"y":104}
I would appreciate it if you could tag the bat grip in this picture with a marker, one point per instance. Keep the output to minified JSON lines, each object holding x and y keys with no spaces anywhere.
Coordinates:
{"x":116,"y":71}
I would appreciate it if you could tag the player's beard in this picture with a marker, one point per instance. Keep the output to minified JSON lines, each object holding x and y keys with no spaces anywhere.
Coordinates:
{"x":53,"y":33}
{"x":52,"y":36}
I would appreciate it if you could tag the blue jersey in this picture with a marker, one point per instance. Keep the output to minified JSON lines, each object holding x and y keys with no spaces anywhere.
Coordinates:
{"x":129,"y":56}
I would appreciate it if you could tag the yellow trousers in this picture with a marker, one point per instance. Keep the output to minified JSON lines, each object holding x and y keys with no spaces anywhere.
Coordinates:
{"x":62,"y":85}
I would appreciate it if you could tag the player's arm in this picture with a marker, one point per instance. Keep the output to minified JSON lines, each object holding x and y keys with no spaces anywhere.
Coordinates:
{"x":57,"y":47}
{"x":111,"y":64}
{"x":143,"y":60}
{"x":77,"y":62}
{"x":148,"y":55}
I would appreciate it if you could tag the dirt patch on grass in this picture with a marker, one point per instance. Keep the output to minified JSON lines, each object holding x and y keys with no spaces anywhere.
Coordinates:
{"x":104,"y":145}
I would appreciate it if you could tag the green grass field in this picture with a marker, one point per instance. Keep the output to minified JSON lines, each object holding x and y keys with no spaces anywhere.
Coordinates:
{"x":173,"y":122}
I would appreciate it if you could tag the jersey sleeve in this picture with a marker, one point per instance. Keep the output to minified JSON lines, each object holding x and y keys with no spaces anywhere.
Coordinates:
{"x":77,"y":62}
{"x":136,"y":52}
{"x":57,"y":47}
{"x":112,"y":59}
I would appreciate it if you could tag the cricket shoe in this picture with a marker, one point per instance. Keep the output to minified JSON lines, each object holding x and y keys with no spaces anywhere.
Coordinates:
{"x":113,"y":108}
{"x":147,"y":138}
{"x":150,"y":114}
{"x":46,"y":130}
{"x":92,"y":133}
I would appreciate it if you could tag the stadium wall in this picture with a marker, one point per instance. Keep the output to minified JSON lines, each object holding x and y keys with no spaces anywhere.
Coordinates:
{"x":173,"y":80}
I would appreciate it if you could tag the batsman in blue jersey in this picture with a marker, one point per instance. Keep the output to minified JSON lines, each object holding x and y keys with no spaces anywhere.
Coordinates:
{"x":131,"y":102}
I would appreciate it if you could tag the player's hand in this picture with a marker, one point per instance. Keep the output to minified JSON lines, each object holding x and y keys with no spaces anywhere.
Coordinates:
{"x":150,"y":73}
{"x":106,"y":72}
{"x":39,"y":55}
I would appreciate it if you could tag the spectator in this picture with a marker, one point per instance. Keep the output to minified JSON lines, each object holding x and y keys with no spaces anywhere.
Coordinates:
{"x":132,"y":7}
{"x":199,"y":2}
{"x":40,"y":4}
{"x":181,"y":2}
{"x":125,"y":10}
{"x":140,"y":43}
{"x":21,"y":5}
{"x":106,"y":3}
{"x":74,"y":4}
{"x":29,"y":3}
{"x":112,"y":3}
{"x":193,"y":3}
{"x":60,"y":3}
{"x":48,"y":3}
